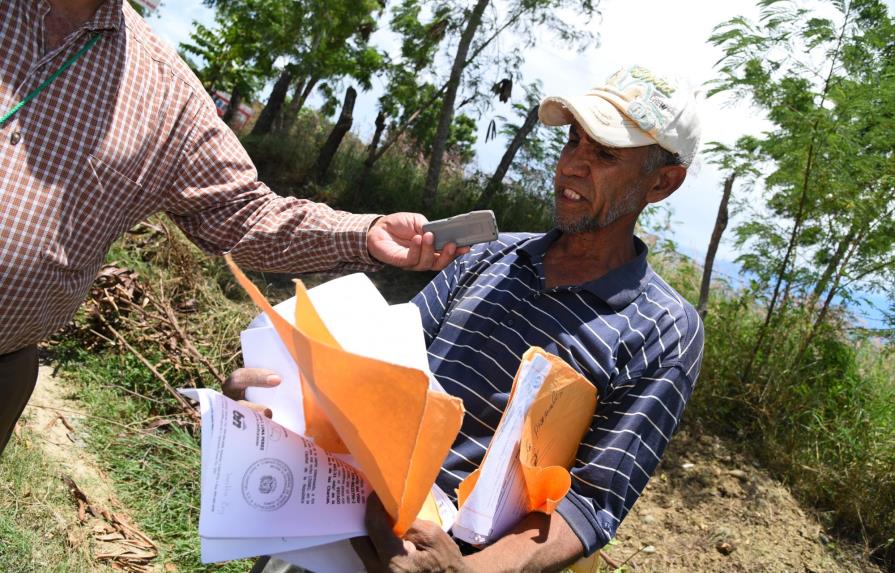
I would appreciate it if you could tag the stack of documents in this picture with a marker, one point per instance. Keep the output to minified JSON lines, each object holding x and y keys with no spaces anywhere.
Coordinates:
{"x":266,"y":489}
{"x":526,"y":467}
{"x":357,"y":411}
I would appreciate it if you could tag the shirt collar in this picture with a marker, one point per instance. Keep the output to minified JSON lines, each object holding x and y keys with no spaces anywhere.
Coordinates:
{"x":536,"y":247}
{"x":619,"y":287}
{"x":108,"y":16}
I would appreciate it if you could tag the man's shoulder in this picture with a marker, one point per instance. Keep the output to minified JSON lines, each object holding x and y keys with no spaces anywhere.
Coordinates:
{"x":157,"y":53}
{"x":666,"y":302}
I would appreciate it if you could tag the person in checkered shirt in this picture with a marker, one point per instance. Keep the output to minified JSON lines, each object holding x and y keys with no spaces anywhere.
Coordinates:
{"x":103,"y":125}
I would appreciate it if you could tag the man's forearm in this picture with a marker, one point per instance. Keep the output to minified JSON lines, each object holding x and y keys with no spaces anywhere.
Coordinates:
{"x":539,"y":543}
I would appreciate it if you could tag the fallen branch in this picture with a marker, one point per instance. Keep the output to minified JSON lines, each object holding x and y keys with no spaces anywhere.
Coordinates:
{"x":171,"y":318}
{"x":133,"y":550}
{"x":184,"y":404}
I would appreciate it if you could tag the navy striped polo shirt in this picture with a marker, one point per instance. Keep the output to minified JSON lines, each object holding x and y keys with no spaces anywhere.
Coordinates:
{"x":636,"y":339}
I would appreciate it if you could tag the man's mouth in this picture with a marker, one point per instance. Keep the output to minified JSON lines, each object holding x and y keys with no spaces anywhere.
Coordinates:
{"x":570,"y":195}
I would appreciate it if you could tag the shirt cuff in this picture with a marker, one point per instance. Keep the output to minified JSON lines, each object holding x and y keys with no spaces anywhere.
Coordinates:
{"x":580,"y":516}
{"x":350,"y":240}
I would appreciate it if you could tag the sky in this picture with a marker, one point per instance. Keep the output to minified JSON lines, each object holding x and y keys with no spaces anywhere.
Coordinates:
{"x":667,"y":37}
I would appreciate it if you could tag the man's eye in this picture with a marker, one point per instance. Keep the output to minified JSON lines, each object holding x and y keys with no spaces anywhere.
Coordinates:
{"x":603,"y":154}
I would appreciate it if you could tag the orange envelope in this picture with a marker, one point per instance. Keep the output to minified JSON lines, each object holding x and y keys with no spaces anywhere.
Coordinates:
{"x":558,"y":418}
{"x":384,"y":415}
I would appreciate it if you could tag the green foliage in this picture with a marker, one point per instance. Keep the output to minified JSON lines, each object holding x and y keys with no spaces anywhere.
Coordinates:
{"x":319,"y":41}
{"x":395,"y":184}
{"x":141,"y":439}
{"x":34,"y":535}
{"x":830,"y":191}
{"x":231,"y":57}
{"x":793,"y":379}
{"x":155,"y":472}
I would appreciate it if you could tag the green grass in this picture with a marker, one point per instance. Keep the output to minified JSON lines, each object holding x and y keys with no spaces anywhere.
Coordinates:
{"x":155,"y":473}
{"x":37,"y":516}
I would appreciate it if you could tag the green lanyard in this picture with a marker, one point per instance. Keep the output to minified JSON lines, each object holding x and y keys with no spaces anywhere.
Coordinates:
{"x":50,"y":79}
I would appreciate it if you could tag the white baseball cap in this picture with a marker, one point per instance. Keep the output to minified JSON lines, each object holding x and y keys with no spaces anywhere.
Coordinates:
{"x":635,"y":107}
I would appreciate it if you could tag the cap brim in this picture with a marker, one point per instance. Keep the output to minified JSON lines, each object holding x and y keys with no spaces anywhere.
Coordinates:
{"x":602,"y":121}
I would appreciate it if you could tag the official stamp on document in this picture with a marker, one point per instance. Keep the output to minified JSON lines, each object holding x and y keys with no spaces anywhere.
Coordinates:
{"x":267,"y":485}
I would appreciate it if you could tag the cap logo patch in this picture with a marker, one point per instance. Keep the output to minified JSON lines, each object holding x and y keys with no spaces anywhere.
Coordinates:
{"x":661,"y":85}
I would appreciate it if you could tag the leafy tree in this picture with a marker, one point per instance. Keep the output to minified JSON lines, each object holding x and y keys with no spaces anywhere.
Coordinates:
{"x":826,"y":87}
{"x":301,"y":43}
{"x":523,"y":17}
{"x":408,"y":95}
{"x":538,"y":154}
{"x":228,"y":60}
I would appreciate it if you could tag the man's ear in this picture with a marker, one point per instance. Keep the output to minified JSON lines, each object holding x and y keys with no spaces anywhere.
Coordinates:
{"x":666,"y":180}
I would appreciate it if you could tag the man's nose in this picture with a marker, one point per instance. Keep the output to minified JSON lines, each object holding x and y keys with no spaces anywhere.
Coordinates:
{"x":577,"y":165}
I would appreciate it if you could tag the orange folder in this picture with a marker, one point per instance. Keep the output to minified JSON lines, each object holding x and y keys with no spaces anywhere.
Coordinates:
{"x":384,"y":415}
{"x":559,"y":416}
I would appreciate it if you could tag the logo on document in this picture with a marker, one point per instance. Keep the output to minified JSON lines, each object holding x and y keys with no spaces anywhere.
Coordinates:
{"x":239,"y":420}
{"x":268,"y":484}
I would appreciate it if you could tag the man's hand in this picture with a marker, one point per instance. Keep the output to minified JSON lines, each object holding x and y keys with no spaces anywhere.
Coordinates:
{"x":425,"y":547}
{"x":235,"y":386}
{"x":398,"y":240}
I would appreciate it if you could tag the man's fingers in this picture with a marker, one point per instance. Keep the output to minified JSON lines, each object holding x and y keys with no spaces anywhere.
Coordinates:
{"x":263,"y":410}
{"x":427,"y":253}
{"x":444,"y":258}
{"x":413,"y":252}
{"x":422,"y":533}
{"x":367,"y":553}
{"x":379,"y":528}
{"x":236,"y":384}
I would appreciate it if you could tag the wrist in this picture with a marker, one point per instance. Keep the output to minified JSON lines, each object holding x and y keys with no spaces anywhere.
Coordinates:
{"x":375,"y":222}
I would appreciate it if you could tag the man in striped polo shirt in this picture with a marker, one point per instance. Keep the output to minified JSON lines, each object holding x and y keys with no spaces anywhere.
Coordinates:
{"x":585,"y":292}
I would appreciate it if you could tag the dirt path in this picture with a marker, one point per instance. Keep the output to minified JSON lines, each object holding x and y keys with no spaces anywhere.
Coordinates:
{"x":707,"y":509}
{"x":101,"y":525}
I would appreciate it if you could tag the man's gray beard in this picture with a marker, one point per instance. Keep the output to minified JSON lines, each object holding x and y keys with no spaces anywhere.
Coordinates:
{"x":588,"y":223}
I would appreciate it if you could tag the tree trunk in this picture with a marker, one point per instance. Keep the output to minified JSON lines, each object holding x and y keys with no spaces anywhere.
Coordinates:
{"x":439,"y":145}
{"x":299,"y":96}
{"x":720,"y":226}
{"x":395,"y":133}
{"x":274,"y":104}
{"x":507,"y":160}
{"x":232,"y":107}
{"x":821,"y":285}
{"x":822,"y":315}
{"x":309,"y":87}
{"x":343,"y":124}
{"x":372,"y":156}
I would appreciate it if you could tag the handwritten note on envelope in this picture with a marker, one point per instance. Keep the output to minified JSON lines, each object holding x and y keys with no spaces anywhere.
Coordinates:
{"x":396,"y":429}
{"x":526,"y":467}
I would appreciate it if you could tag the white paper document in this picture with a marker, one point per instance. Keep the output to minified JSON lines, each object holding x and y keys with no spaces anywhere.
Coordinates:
{"x":267,"y":489}
{"x":498,"y":500}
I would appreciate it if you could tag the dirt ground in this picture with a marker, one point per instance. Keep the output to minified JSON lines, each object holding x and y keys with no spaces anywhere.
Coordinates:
{"x":99,"y":523}
{"x":707,"y":509}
